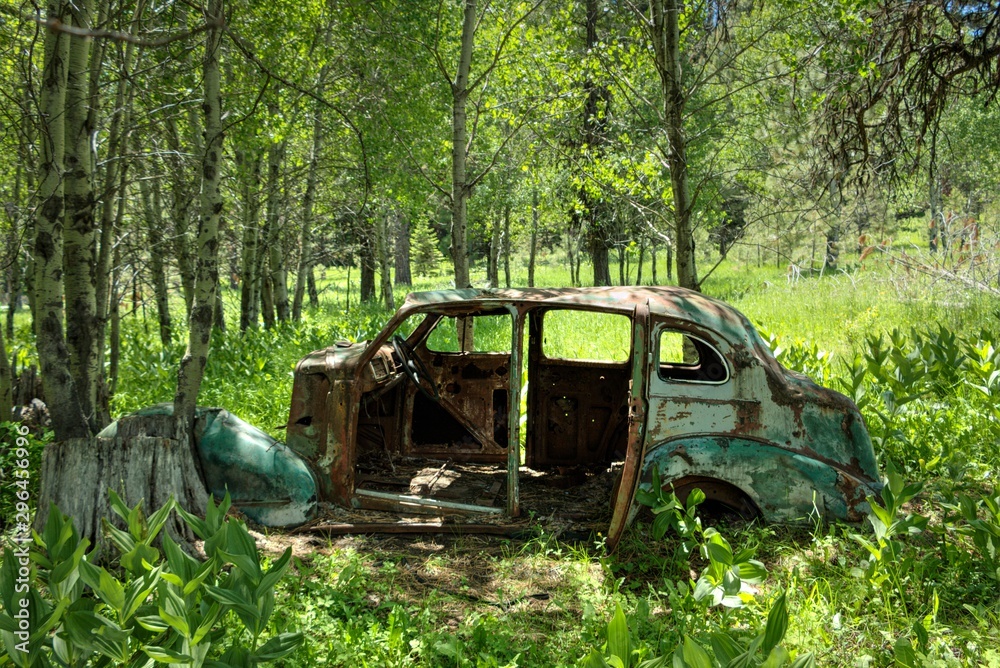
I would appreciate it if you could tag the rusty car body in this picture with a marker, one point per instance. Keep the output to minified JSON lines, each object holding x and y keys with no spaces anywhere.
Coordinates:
{"x":691,"y":390}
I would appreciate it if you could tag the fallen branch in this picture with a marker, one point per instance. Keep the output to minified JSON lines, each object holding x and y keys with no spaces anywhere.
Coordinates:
{"x":910,"y":262}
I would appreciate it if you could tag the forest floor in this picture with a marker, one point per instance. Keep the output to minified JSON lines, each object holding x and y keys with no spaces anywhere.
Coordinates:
{"x":926,"y":597}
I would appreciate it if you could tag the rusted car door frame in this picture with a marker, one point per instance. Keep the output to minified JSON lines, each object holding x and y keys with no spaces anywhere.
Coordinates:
{"x":624,"y":494}
{"x":386,"y":501}
{"x":467,"y":381}
{"x":557,"y":378}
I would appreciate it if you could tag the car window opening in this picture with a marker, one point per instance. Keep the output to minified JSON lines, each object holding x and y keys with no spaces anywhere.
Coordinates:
{"x":417,"y":454}
{"x":687,"y":358}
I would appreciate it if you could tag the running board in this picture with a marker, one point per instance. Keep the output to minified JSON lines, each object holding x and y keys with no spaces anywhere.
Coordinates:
{"x":408,"y":502}
{"x":520,"y":530}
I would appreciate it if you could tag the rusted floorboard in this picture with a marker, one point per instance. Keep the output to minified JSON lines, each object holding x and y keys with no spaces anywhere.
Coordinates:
{"x":340,"y":529}
{"x":489,"y":496}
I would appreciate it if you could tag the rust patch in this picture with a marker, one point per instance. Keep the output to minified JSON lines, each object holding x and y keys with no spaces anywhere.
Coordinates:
{"x":681,"y":451}
{"x":741,"y":357}
{"x":845,"y":426}
{"x":747,"y":417}
{"x":796,"y":409}
{"x":854,"y":495}
{"x":471,"y":371}
{"x":853,"y":467}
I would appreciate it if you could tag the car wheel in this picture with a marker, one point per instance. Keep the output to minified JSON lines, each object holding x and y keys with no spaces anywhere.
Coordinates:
{"x":723,"y":501}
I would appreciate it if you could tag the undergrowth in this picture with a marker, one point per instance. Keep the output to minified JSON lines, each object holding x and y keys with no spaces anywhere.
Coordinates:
{"x":917,"y":585}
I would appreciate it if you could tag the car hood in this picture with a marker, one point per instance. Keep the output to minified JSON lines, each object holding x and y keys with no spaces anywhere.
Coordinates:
{"x":336,"y":362}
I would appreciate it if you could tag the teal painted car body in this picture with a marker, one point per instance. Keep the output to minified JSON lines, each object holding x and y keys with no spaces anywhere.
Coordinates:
{"x":782,"y":485}
{"x":791,"y":447}
{"x":753,"y":434}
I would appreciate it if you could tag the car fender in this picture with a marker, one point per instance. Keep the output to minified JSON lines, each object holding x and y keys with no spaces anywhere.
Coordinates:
{"x":267,"y":481}
{"x":786,"y":486}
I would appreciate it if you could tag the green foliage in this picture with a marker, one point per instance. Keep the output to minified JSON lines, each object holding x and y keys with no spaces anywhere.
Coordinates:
{"x":424,"y":252}
{"x":19,"y":452}
{"x":731,"y":650}
{"x":982,"y":523}
{"x":670,"y":513}
{"x":728,"y":650}
{"x":902,"y":576}
{"x":729,"y":577}
{"x":927,"y":405}
{"x":891,"y":563}
{"x":164,"y":606}
{"x":726,"y":581}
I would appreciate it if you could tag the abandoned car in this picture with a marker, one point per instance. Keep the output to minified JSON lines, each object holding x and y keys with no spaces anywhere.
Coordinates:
{"x":436,"y":416}
{"x":496,"y":404}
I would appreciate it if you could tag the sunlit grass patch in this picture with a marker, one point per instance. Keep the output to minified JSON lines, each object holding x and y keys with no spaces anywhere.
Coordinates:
{"x":432,"y":601}
{"x":586,"y":335}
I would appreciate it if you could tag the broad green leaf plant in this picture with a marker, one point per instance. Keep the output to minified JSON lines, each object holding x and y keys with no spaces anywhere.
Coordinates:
{"x":161,"y":606}
{"x":890,"y":561}
{"x":722,"y":649}
{"x":728,"y":581}
{"x":730,"y":575}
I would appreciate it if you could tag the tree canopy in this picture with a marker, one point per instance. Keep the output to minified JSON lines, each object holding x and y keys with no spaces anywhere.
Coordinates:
{"x":349,"y":132}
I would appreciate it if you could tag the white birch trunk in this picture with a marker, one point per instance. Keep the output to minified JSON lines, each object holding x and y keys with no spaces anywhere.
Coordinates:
{"x":305,"y":236}
{"x":192,"y":366}
{"x":382,"y":248}
{"x":64,"y":404}
{"x":275,"y":257}
{"x":249,"y":174}
{"x":666,"y":42}
{"x":79,"y":233}
{"x":459,"y":151}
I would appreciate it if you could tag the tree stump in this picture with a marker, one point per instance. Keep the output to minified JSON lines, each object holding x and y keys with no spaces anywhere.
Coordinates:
{"x":143,"y":462}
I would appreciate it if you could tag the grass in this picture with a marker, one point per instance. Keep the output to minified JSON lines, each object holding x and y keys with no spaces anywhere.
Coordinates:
{"x":437,"y":601}
{"x":440,"y":601}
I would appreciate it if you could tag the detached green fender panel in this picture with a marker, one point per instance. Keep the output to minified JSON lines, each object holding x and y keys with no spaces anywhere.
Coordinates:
{"x":784,"y":485}
{"x":267,"y":482}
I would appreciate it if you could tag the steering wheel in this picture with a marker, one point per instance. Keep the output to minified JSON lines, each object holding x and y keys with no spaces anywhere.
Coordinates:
{"x":414,"y":368}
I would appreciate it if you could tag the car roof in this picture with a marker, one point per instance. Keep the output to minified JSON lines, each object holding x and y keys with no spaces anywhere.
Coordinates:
{"x":668,"y":301}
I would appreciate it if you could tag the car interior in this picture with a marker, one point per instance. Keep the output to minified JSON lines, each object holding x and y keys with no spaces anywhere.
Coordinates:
{"x":434,"y":436}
